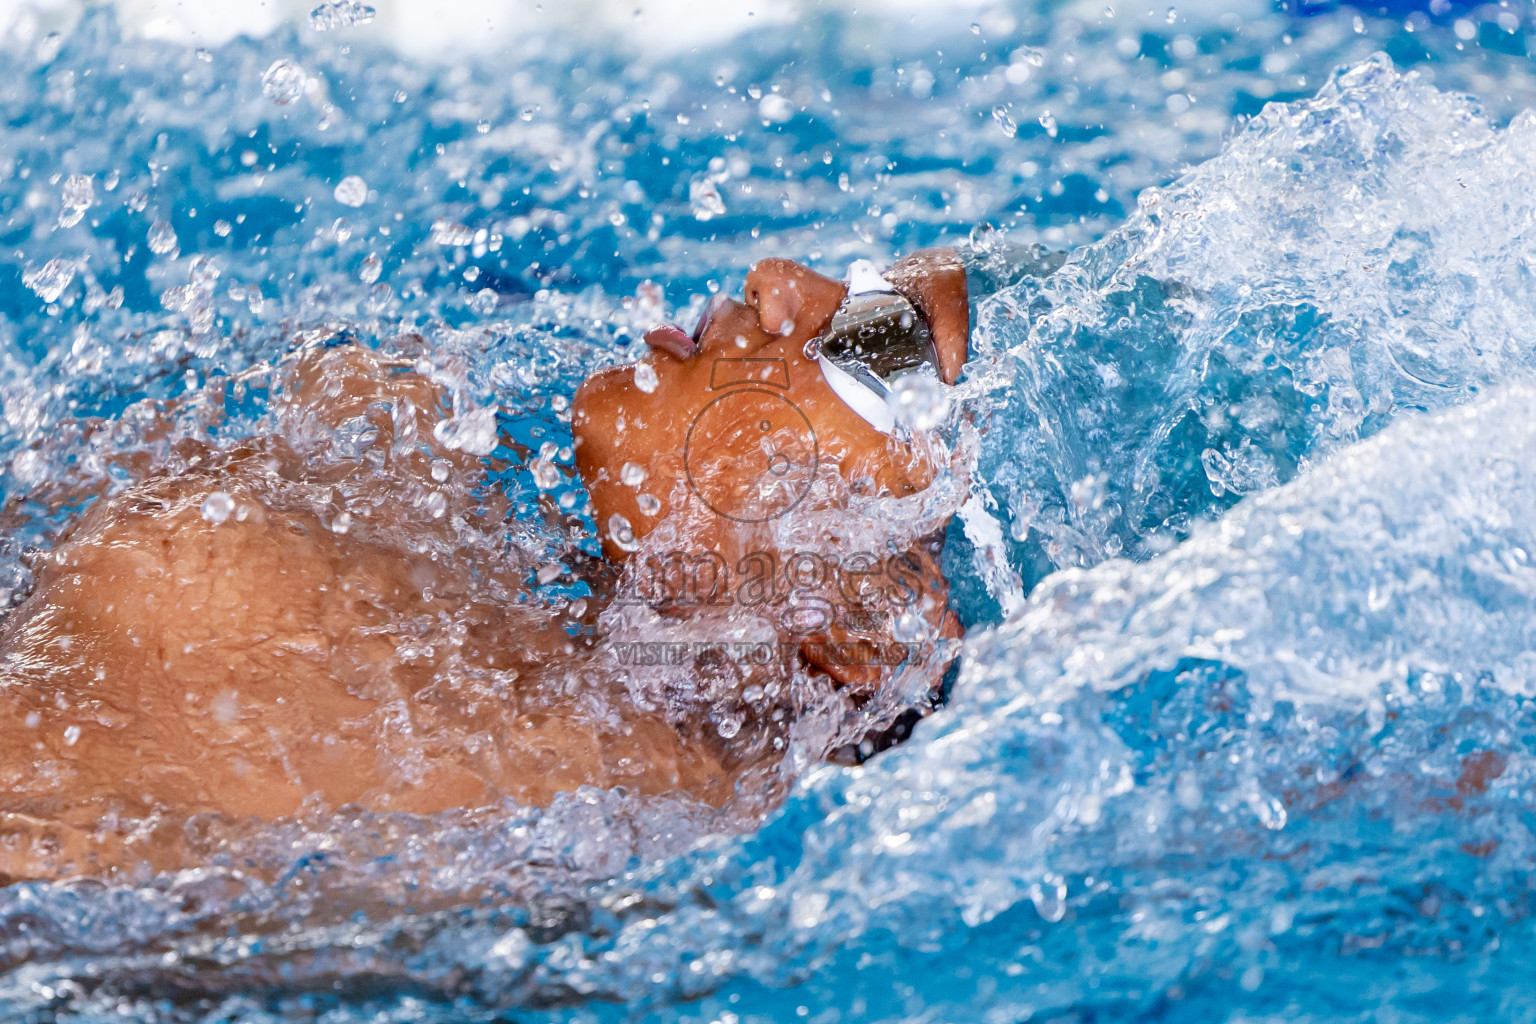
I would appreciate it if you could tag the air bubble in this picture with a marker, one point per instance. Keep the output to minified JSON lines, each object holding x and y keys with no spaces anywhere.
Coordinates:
{"x":71,"y":735}
{"x":1048,"y":123}
{"x":436,"y":504}
{"x":632,"y":474}
{"x":649,"y":504}
{"x":342,"y":523}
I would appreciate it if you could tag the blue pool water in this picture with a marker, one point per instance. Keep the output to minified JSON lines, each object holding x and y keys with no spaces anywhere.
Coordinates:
{"x":1245,"y":726}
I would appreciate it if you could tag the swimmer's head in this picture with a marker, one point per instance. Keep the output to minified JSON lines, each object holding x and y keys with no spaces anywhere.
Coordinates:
{"x":738,"y":417}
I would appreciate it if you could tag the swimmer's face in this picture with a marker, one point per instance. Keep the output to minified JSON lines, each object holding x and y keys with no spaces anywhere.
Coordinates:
{"x":734,"y":420}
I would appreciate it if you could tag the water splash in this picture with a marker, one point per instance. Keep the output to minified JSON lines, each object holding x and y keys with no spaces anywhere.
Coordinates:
{"x":1224,"y":778}
{"x":1278,"y":303}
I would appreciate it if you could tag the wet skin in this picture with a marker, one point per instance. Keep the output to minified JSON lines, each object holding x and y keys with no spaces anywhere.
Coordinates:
{"x":282,"y":659}
{"x":741,"y":405}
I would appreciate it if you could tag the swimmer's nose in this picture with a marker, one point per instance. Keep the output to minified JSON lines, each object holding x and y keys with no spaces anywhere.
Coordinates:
{"x":791,"y":299}
{"x":672,"y":340}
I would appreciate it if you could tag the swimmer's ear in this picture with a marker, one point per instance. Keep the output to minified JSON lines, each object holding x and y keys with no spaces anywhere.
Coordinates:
{"x":933,"y":280}
{"x":672,"y":340}
{"x":792,"y":299}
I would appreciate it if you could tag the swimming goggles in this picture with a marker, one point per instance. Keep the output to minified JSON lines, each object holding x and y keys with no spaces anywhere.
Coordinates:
{"x":874,"y":336}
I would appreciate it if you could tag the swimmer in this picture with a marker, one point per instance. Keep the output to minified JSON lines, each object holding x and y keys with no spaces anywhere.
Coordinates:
{"x":330,"y":616}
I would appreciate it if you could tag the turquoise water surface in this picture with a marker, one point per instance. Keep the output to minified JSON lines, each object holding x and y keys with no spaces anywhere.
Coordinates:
{"x":1247,"y":564}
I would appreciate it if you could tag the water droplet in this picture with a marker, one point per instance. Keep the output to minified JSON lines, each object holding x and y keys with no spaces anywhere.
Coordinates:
{"x":728,"y":726}
{"x":351,"y":191}
{"x":340,"y":14}
{"x":985,"y":237}
{"x":632,"y":474}
{"x":342,"y":523}
{"x":919,"y":401}
{"x":447,"y":232}
{"x":775,"y":108}
{"x":1001,"y":118}
{"x":645,"y":377}
{"x":545,"y":474}
{"x":50,"y":280}
{"x":1049,"y":898}
{"x":436,"y":504}
{"x":71,"y":735}
{"x":1187,"y":791}
{"x":78,"y":196}
{"x":649,"y":504}
{"x":222,"y":228}
{"x":909,"y":628}
{"x":1172,"y":15}
{"x":371,"y":269}
{"x":379,"y":297}
{"x":472,"y":432}
{"x":440,"y":470}
{"x":548,"y":573}
{"x":283,"y":82}
{"x":705,"y":198}
{"x":485,"y":301}
{"x":162,"y":238}
{"x":1048,"y":123}
{"x":218,"y":507}
{"x":622,"y":533}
